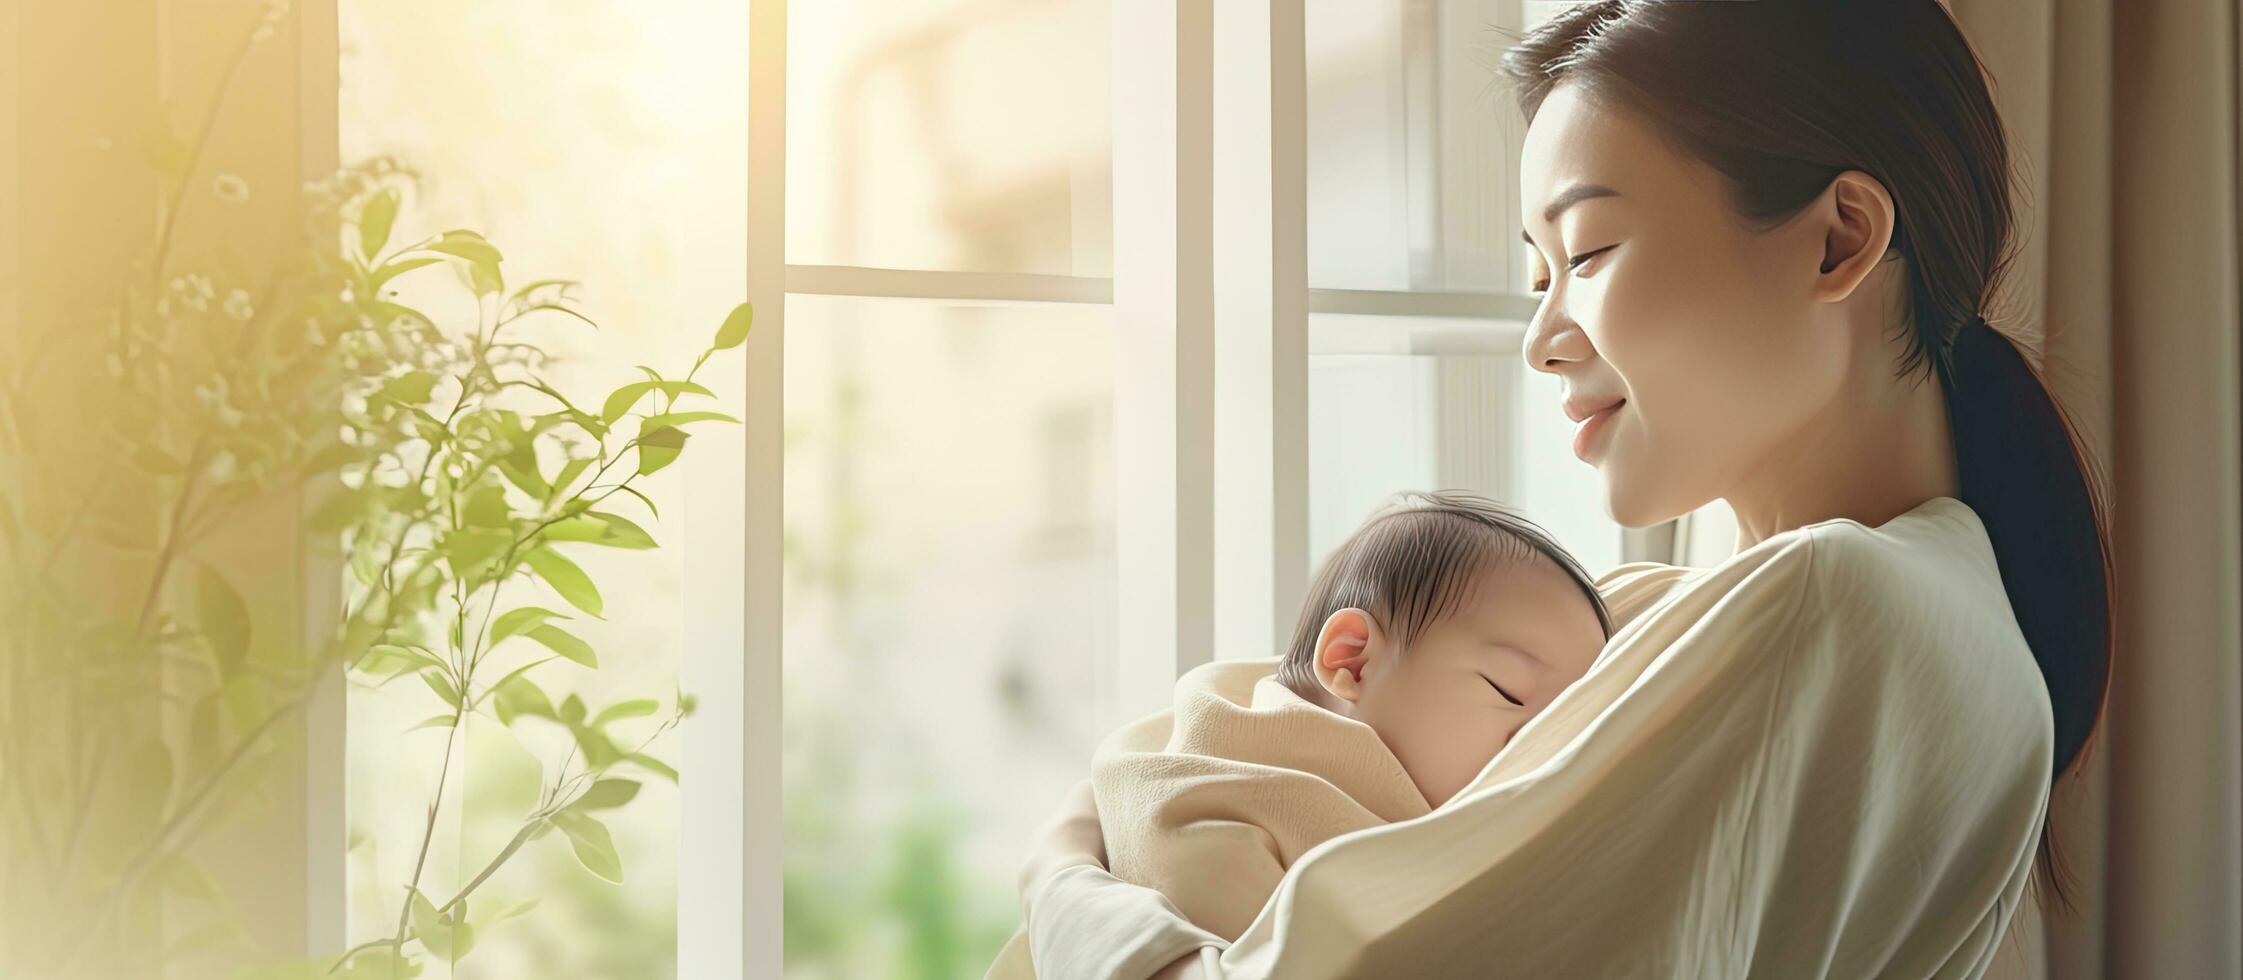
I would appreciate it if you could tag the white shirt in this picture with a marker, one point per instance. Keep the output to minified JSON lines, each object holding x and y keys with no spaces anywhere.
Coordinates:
{"x":1827,"y":756}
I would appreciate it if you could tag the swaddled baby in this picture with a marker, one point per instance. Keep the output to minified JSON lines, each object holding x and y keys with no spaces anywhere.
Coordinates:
{"x":1429,"y":637}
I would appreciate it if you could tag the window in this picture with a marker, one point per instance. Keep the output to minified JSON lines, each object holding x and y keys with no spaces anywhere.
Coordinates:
{"x":515,"y":117}
{"x":949,"y":508}
{"x":1014,"y":455}
{"x":1414,"y":375}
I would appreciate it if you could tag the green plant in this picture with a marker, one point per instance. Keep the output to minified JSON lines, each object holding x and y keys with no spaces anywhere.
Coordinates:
{"x":469,"y":495}
{"x":146,"y":693}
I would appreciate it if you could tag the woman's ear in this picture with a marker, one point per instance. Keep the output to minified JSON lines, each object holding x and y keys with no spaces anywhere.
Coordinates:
{"x":1857,"y":233}
{"x":1347,"y":643}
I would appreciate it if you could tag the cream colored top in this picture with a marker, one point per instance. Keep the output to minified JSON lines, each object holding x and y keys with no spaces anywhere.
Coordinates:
{"x":1827,"y":756}
{"x":1210,"y":801}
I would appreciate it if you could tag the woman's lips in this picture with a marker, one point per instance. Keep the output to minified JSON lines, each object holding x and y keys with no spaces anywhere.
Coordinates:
{"x":1586,"y":432}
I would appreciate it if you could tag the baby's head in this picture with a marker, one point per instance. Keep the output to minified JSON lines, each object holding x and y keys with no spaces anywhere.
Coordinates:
{"x":1445,"y":623}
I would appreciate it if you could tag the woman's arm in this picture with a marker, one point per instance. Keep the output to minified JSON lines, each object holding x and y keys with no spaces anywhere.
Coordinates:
{"x":1085,"y":923}
{"x":1772,"y":776}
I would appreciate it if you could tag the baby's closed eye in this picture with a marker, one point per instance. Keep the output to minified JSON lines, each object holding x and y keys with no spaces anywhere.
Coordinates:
{"x":1499,"y":690}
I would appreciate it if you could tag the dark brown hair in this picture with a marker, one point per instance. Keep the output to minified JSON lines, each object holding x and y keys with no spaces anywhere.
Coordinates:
{"x":1412,"y":563}
{"x":1779,"y":98}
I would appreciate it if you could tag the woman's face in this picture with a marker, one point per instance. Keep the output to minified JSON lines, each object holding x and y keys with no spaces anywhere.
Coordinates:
{"x":1658,"y":300}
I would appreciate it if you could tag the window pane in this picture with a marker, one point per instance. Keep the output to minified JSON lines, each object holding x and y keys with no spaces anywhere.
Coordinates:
{"x":949,"y":135}
{"x":601,"y":141}
{"x":949,"y":614}
{"x":1401,"y":404}
{"x":1410,"y":147}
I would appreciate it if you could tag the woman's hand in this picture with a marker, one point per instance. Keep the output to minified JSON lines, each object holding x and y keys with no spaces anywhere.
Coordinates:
{"x":1069,"y":838}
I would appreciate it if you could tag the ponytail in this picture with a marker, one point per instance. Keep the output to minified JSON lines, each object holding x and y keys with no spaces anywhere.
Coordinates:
{"x":2023,"y":471}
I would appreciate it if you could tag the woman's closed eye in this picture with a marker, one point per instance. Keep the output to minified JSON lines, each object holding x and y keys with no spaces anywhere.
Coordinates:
{"x":1576,"y":264}
{"x":1499,"y":690}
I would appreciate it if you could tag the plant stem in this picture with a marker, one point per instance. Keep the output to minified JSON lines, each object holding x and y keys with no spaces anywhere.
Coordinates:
{"x":428,"y":834}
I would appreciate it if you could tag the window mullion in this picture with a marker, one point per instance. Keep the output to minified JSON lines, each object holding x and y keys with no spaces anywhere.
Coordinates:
{"x":1164,"y":349}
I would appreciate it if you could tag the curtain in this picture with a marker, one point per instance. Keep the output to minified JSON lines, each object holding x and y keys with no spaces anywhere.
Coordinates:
{"x":2124,"y":116}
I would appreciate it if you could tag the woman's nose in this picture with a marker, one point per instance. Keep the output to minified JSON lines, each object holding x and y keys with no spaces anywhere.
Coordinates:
{"x":1553,"y":340}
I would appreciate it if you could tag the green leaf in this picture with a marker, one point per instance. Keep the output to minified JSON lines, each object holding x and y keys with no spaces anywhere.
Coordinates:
{"x":487,"y":507}
{"x":486,"y":278}
{"x":520,"y":468}
{"x":734,"y":332}
{"x":606,"y":530}
{"x":435,"y":721}
{"x":653,"y":765}
{"x":410,"y":388}
{"x":411,"y":658}
{"x":650,"y":508}
{"x":568,"y":474}
{"x":507,"y":911}
{"x":393,"y":312}
{"x":599,"y":750}
{"x":624,"y":533}
{"x":222,"y":617}
{"x":659,"y":448}
{"x":639,"y":708}
{"x":619,"y":403}
{"x":514,"y":621}
{"x":594,"y":848}
{"x":467,"y":245}
{"x":374,"y":224}
{"x":607,"y":794}
{"x":434,"y":933}
{"x":442,"y":685}
{"x":427,"y":427}
{"x":572,"y":711}
{"x":681,"y":418}
{"x":384,"y":660}
{"x":516,"y":697}
{"x":567,"y":579}
{"x":470,"y":549}
{"x":561,"y":286}
{"x":565,"y":644}
{"x":391,"y":270}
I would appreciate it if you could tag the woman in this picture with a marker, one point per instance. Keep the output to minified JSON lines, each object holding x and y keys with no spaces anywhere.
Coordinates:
{"x":1763,"y":231}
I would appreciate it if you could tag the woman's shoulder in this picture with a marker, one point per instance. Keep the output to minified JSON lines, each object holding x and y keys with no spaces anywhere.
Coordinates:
{"x":1919,"y":591}
{"x":1931,"y":568}
{"x":1917,"y":601}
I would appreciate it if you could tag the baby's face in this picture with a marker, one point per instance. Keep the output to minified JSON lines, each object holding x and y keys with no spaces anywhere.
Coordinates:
{"x":1455,"y":698}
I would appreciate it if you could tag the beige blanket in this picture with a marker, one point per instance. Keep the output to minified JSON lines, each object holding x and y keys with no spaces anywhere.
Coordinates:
{"x":1210,"y":801}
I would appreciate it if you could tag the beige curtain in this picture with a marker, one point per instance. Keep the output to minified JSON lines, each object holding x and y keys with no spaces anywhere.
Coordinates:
{"x":2125,"y":116}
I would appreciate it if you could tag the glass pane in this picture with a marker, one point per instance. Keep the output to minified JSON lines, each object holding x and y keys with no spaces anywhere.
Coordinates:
{"x":949,"y":135}
{"x":949,"y":611}
{"x":1410,"y":147}
{"x":601,"y":141}
{"x":1401,"y":404}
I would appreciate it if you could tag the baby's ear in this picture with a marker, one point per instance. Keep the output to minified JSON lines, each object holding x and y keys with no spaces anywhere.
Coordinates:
{"x":1348,"y":641}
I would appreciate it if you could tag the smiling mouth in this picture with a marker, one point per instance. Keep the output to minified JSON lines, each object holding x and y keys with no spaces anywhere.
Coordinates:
{"x":1585,"y":434}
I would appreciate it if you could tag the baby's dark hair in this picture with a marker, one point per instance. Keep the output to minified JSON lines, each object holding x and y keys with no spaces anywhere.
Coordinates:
{"x":1411,"y":563}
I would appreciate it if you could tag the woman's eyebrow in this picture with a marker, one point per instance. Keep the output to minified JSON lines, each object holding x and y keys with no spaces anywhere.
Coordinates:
{"x":1567,"y":198}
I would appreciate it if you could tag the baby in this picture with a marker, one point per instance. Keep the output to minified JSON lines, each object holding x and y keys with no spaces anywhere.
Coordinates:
{"x":1429,"y":637}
